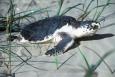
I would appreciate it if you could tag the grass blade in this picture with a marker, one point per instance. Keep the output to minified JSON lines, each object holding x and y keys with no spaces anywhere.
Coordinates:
{"x":89,"y":5}
{"x":56,"y":61}
{"x":70,"y":8}
{"x":84,"y":4}
{"x":103,"y":5}
{"x":102,"y":59}
{"x":96,"y":10}
{"x":86,"y":12}
{"x":86,"y":61}
{"x":105,"y":17}
{"x":109,"y":25}
{"x":66,"y":60}
{"x":99,"y":14}
{"x":60,"y":3}
{"x":31,"y":13}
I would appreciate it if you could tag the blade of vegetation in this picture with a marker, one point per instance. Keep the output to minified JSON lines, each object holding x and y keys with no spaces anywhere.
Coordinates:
{"x":99,"y":14}
{"x":86,"y":61}
{"x":5,"y":50}
{"x":100,"y":58}
{"x":105,"y":17}
{"x":15,"y":17}
{"x":10,"y":18}
{"x":86,"y":12}
{"x":56,"y":61}
{"x":91,"y":71}
{"x":83,"y":16}
{"x":66,"y":60}
{"x":109,"y":25}
{"x":103,"y":5}
{"x":70,"y":8}
{"x":60,"y":3}
{"x":84,"y":4}
{"x":96,"y":9}
{"x":100,"y":6}
{"x":31,"y":13}
{"x":89,"y":5}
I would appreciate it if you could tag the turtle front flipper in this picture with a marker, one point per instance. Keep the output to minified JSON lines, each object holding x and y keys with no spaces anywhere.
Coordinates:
{"x":62,"y":46}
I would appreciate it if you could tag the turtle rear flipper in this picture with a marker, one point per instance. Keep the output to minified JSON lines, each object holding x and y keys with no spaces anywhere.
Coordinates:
{"x":62,"y":46}
{"x":13,"y":37}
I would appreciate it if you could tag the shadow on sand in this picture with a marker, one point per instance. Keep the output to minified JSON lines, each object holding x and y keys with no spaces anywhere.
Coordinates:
{"x":94,"y":37}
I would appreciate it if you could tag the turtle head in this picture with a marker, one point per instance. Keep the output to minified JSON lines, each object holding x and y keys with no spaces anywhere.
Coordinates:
{"x":89,"y":28}
{"x":92,"y":27}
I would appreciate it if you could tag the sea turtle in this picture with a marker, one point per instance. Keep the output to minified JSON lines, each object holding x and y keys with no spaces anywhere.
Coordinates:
{"x":63,"y":30}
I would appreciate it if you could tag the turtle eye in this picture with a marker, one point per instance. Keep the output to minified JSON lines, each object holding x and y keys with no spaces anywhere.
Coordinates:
{"x":95,"y":27}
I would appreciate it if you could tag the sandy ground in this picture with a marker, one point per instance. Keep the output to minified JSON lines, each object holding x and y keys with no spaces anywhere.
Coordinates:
{"x":39,"y":65}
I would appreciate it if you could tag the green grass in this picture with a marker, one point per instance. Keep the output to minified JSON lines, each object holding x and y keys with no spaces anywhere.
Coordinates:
{"x":15,"y":18}
{"x":9,"y":22}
